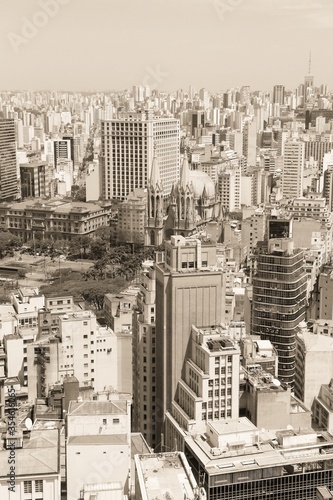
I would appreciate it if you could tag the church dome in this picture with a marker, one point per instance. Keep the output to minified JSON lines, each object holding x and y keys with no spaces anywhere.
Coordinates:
{"x":201,"y":180}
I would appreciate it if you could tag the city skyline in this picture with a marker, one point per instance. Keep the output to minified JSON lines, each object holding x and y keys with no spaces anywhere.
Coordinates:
{"x":67,"y":44}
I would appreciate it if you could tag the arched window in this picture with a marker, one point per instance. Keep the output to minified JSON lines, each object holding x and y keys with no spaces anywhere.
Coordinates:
{"x":152,"y":237}
{"x":152,"y":206}
{"x":188,"y":203}
{"x":182,"y":208}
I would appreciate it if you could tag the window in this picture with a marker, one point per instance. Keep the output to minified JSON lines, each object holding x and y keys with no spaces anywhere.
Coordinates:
{"x":116,"y":420}
{"x":39,"y":486}
{"x":105,"y":421}
{"x":27,"y":486}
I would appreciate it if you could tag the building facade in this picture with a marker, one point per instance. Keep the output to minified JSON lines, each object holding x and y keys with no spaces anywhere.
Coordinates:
{"x":127,"y":150}
{"x":8,"y":164}
{"x":235,"y":460}
{"x":54,"y":219}
{"x":293,"y":166}
{"x":279,"y":294}
{"x":144,"y":358}
{"x":189,"y":290}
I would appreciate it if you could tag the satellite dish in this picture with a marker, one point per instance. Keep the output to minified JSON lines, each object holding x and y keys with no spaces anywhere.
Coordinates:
{"x":28,"y":423}
{"x":276,"y":382}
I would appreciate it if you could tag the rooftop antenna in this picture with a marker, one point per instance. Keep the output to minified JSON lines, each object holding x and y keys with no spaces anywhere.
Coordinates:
{"x":310,"y":63}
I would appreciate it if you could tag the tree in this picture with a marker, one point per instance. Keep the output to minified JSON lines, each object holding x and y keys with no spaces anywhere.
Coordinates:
{"x":98,"y":248}
{"x":79,"y":193}
{"x":103,"y":232}
{"x":73,"y":283}
{"x":7,"y":242}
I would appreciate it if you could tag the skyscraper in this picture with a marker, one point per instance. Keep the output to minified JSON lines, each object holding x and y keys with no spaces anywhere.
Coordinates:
{"x":229,"y":188}
{"x":278,"y":94}
{"x":189,"y":290}
{"x":279,"y":290}
{"x":8,"y":163}
{"x":127,"y":152}
{"x":293,"y":165}
{"x":144,"y":358}
{"x":250,"y":141}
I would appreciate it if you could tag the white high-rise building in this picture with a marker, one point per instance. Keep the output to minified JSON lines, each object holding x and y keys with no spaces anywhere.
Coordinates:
{"x":229,"y":183}
{"x":293,"y":166}
{"x":209,"y":387}
{"x":127,"y":147}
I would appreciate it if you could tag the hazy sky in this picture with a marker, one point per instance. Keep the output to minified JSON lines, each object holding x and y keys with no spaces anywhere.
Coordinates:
{"x":169,"y":44}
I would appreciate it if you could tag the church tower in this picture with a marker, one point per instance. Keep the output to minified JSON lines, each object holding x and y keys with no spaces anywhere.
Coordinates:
{"x":155,"y":211}
{"x":182,"y":202}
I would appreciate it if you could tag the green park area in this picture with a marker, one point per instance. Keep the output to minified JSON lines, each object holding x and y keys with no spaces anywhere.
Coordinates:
{"x":86,"y":268}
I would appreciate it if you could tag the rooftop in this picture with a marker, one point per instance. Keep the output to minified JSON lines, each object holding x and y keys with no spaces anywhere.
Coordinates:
{"x":99,"y":439}
{"x":278,"y":448}
{"x":315,"y":342}
{"x":55,"y":205}
{"x":164,"y":476}
{"x":97,"y":408}
{"x":39,"y":455}
{"x":138,"y":444}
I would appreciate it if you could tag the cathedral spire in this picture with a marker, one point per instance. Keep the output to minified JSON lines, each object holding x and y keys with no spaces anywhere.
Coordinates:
{"x":184,"y":175}
{"x":155,"y":176}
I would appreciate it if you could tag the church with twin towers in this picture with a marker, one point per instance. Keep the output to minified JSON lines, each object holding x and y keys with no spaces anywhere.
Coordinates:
{"x":191,"y":205}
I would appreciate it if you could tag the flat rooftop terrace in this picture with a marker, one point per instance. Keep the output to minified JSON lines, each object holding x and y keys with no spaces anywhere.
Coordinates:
{"x":164,"y":476}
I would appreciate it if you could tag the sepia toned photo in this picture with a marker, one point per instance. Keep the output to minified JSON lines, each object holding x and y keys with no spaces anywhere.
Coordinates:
{"x":166,"y":243}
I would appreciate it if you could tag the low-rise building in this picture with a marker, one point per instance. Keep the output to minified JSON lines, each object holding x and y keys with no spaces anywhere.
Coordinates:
{"x":27,"y":301}
{"x":234,"y":459}
{"x":165,"y":475}
{"x":323,"y":408}
{"x":29,"y":465}
{"x":118,"y":309}
{"x":98,"y":444}
{"x":55,"y":219}
{"x":270,"y":404}
{"x":314,"y":363}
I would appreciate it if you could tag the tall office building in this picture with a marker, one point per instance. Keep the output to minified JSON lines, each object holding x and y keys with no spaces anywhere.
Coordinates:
{"x":197,"y":120}
{"x":250,"y":141}
{"x":144,"y":358}
{"x":328,"y":187}
{"x":127,"y":150}
{"x":293,"y":166}
{"x":279,"y":292}
{"x":35,"y":180}
{"x":189,"y":290}
{"x":244,"y":95}
{"x":63,"y":149}
{"x":229,"y":188}
{"x":278,"y":94}
{"x":8,"y":163}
